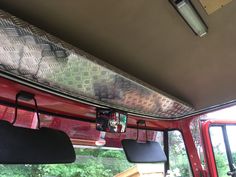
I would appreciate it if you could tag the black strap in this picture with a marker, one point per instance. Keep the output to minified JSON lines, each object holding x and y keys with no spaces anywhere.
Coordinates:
{"x":27,"y":97}
{"x":138,"y":123}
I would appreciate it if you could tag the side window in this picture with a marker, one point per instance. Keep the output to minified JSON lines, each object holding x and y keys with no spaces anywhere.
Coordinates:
{"x":178,"y":159}
{"x":231,"y":132}
{"x":224,"y":148}
{"x":218,"y":145}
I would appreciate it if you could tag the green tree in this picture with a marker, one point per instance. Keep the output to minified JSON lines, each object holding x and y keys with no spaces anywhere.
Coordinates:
{"x":221,"y":163}
{"x":90,"y":162}
{"x":177,"y":153}
{"x":19,"y":170}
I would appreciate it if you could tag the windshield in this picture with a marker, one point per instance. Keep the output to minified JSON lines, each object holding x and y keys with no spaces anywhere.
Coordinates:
{"x":98,"y":154}
{"x":90,"y":162}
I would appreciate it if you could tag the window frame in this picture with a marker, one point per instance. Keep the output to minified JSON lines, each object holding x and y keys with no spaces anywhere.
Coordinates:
{"x":166,"y":147}
{"x":226,"y":144}
{"x":207,"y":143}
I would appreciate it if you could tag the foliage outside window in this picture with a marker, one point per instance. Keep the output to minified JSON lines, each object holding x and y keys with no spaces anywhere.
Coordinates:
{"x":179,"y":163}
{"x":89,"y":163}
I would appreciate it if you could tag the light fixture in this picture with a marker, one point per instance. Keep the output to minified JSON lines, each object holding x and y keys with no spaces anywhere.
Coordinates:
{"x":191,"y":16}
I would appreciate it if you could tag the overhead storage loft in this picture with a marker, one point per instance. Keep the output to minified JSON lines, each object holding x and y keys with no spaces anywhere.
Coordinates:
{"x":164,"y":70}
{"x":34,"y":56}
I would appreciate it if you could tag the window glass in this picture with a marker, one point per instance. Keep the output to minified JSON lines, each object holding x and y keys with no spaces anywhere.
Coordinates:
{"x":179,"y":162}
{"x":90,"y":162}
{"x":231,"y":132}
{"x":218,"y":145}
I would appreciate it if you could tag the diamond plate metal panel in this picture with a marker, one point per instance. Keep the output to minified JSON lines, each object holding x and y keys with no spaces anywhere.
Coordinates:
{"x":27,"y":52}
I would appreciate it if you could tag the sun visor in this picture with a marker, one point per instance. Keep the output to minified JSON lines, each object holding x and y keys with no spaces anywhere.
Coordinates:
{"x":145,"y":152}
{"x":29,"y":146}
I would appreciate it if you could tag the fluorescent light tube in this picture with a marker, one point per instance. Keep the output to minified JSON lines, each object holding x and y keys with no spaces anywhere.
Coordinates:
{"x":191,"y":16}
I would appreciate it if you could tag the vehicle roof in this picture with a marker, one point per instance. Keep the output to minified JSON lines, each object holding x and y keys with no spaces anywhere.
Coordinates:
{"x":148,"y":40}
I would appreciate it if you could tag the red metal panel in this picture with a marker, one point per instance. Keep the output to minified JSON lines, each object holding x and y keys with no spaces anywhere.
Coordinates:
{"x":79,"y":131}
{"x":46,"y":102}
{"x":195,"y":161}
{"x":208,"y":149}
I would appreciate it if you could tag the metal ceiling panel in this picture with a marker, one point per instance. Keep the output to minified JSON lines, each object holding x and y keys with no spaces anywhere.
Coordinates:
{"x":31,"y":54}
